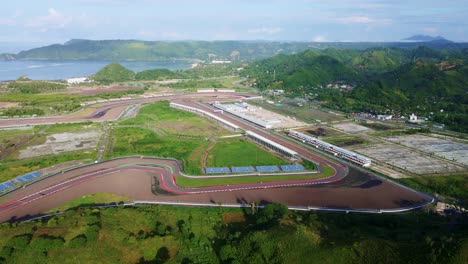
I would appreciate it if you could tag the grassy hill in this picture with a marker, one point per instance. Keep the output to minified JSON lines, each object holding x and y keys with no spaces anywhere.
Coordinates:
{"x":424,"y":81}
{"x":306,"y":70}
{"x":156,"y":74}
{"x":113,"y":72}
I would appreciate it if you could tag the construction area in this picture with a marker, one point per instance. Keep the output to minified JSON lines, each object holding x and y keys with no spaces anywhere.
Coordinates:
{"x":260,"y":116}
{"x":352,"y":128}
{"x":450,"y":150}
{"x":409,"y":159}
{"x":63,"y":142}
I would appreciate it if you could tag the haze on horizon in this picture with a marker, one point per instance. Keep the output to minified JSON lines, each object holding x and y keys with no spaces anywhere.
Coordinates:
{"x":26,"y":24}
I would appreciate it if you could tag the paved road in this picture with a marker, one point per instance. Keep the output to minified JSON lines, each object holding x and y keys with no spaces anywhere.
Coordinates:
{"x":112,"y":110}
{"x":161,"y":168}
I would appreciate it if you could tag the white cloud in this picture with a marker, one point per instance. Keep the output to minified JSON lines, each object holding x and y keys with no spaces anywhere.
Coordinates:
{"x":363,"y":20}
{"x":54,"y":19}
{"x":319,"y":38}
{"x":6,"y":21}
{"x":265,"y":30}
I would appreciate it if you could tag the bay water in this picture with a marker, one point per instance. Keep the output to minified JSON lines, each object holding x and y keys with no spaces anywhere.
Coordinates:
{"x":64,"y":69}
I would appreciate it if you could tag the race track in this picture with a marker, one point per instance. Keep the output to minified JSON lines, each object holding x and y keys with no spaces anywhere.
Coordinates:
{"x":151,"y":179}
{"x":154,"y":179}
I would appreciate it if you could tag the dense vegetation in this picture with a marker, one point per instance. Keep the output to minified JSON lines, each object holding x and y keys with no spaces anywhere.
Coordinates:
{"x":156,"y":74}
{"x":156,"y":234}
{"x":451,"y":186}
{"x":423,"y":81}
{"x":34,"y":87}
{"x":235,"y":50}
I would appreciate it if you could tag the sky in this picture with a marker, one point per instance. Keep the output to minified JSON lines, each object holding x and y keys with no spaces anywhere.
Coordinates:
{"x":25,"y":23}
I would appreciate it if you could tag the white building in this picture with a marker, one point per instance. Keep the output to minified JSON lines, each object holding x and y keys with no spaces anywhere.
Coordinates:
{"x":78,"y":80}
{"x":413,"y":118}
{"x":221,"y":62}
{"x":384,"y":117}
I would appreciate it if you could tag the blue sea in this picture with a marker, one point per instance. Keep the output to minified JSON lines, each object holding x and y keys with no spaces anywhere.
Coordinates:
{"x":57,"y":70}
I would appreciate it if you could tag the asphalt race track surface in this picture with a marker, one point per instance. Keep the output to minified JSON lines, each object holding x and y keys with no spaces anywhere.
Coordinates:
{"x":111,"y":110}
{"x":127,"y":177}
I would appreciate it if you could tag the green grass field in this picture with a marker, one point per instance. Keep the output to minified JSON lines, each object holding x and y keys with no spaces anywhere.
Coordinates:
{"x":92,"y":199}
{"x":172,"y":121}
{"x":12,"y":169}
{"x":345,"y":141}
{"x":452,"y":186}
{"x":190,"y":182}
{"x":137,"y":141}
{"x":240,"y":152}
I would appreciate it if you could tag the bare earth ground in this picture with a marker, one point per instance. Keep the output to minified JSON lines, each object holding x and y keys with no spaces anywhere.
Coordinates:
{"x":8,"y":104}
{"x":408,"y":159}
{"x":63,"y":142}
{"x":98,"y":90}
{"x":448,"y":149}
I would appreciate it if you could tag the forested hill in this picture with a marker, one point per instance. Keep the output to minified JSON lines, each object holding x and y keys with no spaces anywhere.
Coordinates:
{"x":79,"y":49}
{"x":427,"y":82}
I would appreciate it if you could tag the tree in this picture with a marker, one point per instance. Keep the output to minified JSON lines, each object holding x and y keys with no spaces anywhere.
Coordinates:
{"x":78,"y":242}
{"x":271,"y":213}
{"x":163,"y":255}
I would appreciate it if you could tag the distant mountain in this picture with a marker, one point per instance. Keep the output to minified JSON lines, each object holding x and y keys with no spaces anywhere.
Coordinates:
{"x":423,"y":81}
{"x":425,"y":38}
{"x":82,"y":49}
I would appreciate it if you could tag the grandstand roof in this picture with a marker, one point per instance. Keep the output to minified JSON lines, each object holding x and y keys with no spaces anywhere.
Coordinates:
{"x":28,"y":177}
{"x":217,"y":170}
{"x":242,"y":169}
{"x":276,"y":145}
{"x":273,"y":168}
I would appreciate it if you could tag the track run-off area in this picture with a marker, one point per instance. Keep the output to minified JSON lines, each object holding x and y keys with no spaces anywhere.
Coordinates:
{"x":155,"y":179}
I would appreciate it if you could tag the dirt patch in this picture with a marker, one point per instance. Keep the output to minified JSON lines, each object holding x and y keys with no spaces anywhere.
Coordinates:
{"x":9,"y":104}
{"x":351,"y":128}
{"x":229,"y":218}
{"x":321,"y":132}
{"x":63,"y":142}
{"x":10,"y":145}
{"x":378,"y":126}
{"x":206,"y":154}
{"x":101,"y":90}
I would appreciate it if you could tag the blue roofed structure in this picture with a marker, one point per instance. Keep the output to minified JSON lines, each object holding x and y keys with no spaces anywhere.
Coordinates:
{"x":6,"y":185}
{"x":293,"y":167}
{"x":242,"y":169}
{"x":28,"y":177}
{"x":217,"y":170}
{"x":273,"y":168}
